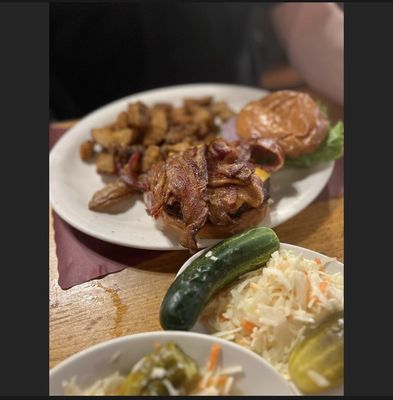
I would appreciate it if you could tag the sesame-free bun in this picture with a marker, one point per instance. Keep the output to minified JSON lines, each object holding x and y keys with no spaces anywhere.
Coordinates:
{"x":292,"y":118}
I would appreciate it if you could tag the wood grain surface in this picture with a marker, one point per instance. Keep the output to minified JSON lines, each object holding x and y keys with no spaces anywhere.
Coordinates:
{"x":128,"y":302}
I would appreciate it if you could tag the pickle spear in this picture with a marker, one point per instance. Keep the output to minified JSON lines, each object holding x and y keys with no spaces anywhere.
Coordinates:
{"x":316,"y":364}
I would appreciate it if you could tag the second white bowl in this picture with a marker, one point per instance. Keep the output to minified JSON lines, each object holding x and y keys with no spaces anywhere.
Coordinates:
{"x":257,"y":378}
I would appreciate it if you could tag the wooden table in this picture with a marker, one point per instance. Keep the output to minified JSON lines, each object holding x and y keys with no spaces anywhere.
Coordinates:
{"x":128,"y":301}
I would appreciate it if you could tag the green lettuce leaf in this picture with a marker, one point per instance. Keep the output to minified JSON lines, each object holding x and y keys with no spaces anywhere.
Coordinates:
{"x":331,"y":149}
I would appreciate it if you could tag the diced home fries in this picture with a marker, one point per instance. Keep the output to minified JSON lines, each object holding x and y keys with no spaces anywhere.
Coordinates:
{"x":154,"y":133}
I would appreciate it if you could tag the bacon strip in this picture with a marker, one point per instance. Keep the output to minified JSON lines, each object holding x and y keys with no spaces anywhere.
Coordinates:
{"x":156,"y":186}
{"x":226,"y":201}
{"x":267,"y":153}
{"x":187,"y":182}
{"x":228,"y":164}
{"x":182,"y":179}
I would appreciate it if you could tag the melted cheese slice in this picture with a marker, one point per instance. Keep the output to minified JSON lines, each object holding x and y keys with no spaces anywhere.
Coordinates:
{"x":244,"y":196}
{"x":262,"y":174}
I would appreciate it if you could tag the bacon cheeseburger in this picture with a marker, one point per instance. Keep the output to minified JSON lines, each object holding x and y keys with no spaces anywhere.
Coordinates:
{"x":213,"y":190}
{"x":220,"y":188}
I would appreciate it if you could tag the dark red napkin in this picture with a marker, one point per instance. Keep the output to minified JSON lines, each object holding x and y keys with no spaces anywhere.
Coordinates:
{"x":81,"y":258}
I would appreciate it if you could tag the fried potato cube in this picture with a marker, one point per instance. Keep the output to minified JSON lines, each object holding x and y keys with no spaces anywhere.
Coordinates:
{"x":222,"y":110}
{"x":171,"y":149}
{"x":109,"y":196}
{"x":191,"y":103}
{"x":105,"y":163}
{"x":108,"y":138}
{"x":154,"y":136}
{"x":205,"y":121}
{"x":124,"y":137}
{"x":86,"y":150}
{"x":167,"y":107}
{"x":159,"y":119}
{"x":122,"y":121}
{"x":201,"y":115}
{"x":103,"y":136}
{"x":178,"y":133}
{"x":150,"y":157}
{"x":204,"y":129}
{"x":158,"y":128}
{"x":138,"y":115}
{"x":179,"y":116}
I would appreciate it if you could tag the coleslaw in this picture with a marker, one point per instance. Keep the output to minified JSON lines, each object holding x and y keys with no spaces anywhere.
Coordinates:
{"x":269,"y":310}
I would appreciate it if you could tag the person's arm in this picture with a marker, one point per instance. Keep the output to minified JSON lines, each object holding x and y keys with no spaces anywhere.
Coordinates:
{"x":313,"y":37}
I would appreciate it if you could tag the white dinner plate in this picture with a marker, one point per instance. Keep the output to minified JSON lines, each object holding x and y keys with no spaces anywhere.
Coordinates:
{"x":73,"y":182}
{"x":121,"y":354}
{"x":333,"y":266}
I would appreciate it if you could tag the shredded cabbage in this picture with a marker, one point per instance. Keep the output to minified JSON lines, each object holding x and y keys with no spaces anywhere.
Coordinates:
{"x":101,"y":387}
{"x":269,"y":310}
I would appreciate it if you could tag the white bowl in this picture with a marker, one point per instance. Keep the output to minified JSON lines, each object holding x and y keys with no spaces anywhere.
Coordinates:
{"x":332,"y":267}
{"x":257,"y":378}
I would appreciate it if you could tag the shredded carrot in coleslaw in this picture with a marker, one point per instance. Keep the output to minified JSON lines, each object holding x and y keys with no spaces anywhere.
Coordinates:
{"x":214,"y":354}
{"x":248,"y":327}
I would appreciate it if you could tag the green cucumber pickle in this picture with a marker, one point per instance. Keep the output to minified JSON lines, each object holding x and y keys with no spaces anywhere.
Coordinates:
{"x":219,"y":266}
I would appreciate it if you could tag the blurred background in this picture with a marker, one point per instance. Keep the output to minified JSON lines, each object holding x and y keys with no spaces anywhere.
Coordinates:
{"x":104,"y":51}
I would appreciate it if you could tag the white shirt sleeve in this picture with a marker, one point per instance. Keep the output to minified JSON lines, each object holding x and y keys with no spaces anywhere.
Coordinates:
{"x":313,"y":37}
